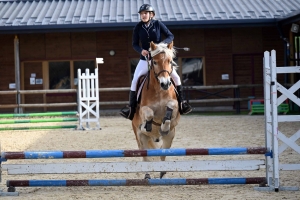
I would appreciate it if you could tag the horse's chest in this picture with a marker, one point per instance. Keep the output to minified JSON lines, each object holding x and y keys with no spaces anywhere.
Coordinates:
{"x":160,"y":106}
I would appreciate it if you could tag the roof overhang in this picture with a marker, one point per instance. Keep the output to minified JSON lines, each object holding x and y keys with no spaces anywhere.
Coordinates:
{"x":291,"y":18}
{"x":230,"y":23}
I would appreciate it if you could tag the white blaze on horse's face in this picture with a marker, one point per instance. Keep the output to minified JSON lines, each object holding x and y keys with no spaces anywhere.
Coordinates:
{"x":163,"y":68}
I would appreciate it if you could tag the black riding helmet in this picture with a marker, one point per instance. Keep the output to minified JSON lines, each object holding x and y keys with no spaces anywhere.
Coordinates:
{"x":146,"y":7}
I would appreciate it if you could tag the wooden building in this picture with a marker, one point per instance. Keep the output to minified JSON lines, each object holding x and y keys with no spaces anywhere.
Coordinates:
{"x":222,"y":51}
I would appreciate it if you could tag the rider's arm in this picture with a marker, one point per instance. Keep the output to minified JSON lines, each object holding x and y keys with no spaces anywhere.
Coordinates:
{"x":166,"y":32}
{"x":136,"y":40}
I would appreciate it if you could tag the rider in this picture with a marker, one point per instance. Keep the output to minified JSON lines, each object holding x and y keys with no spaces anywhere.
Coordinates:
{"x":147,"y":30}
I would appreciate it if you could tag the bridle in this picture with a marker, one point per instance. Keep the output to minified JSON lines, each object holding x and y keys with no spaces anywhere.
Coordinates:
{"x":151,"y":66}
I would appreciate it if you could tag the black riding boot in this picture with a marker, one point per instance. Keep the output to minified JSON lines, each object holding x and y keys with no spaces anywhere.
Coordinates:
{"x":184,"y":107}
{"x":129,"y":110}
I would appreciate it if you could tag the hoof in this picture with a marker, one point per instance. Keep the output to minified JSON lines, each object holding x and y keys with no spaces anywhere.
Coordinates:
{"x":165,"y":128}
{"x":162,"y":174}
{"x":163,"y":133}
{"x":147,"y":176}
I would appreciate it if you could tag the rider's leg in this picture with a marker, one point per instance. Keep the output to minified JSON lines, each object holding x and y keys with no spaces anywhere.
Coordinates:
{"x":184,"y":107}
{"x":129,"y":110}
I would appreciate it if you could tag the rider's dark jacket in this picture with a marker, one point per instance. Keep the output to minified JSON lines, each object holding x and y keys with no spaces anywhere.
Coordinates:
{"x":145,"y":35}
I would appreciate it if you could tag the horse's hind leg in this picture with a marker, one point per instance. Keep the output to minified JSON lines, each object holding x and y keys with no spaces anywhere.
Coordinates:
{"x":146,"y":142}
{"x":167,"y":143}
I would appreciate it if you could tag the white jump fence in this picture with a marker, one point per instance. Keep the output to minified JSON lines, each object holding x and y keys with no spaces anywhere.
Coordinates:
{"x":88,"y":97}
{"x":88,"y":109}
{"x":273,"y":135}
{"x":269,"y":161}
{"x":132,"y":167}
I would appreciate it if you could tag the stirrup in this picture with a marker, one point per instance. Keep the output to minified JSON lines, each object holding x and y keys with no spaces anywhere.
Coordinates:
{"x":185,"y":108}
{"x":127,"y":112}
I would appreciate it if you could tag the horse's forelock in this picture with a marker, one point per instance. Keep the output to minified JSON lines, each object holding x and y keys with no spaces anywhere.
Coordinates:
{"x":163,"y":47}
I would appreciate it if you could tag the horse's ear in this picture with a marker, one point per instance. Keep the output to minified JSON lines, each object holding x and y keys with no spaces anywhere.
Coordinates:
{"x":170,"y":46}
{"x":153,"y":46}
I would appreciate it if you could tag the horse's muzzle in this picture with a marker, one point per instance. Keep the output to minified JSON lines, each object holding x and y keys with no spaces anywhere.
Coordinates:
{"x":165,"y":86}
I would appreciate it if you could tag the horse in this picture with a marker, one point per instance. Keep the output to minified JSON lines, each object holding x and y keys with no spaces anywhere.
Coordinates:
{"x":157,"y":113}
{"x":63,"y":83}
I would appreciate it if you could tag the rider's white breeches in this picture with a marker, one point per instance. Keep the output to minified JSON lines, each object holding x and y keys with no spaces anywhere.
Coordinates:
{"x":142,"y":69}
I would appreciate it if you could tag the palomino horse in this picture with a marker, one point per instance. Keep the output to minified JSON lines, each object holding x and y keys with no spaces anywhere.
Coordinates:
{"x":157,"y":113}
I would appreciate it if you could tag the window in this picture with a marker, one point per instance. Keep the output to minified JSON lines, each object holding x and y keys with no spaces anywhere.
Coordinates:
{"x":83,"y":65}
{"x":192,"y":71}
{"x":59,"y":75}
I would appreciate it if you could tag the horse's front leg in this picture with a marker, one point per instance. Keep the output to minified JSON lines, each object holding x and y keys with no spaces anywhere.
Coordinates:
{"x":166,"y":122}
{"x":147,"y":115}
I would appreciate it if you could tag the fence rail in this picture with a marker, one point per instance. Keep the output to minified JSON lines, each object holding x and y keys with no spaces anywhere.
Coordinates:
{"x":237,"y":99}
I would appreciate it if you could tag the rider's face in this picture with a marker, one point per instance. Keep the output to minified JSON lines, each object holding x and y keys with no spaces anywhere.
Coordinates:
{"x":145,"y":16}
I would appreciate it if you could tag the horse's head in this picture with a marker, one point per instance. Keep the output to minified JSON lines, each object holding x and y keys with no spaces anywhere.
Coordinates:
{"x":162,"y":57}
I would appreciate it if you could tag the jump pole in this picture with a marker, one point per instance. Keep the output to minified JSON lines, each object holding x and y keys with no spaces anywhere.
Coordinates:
{"x":41,"y":120}
{"x":39,"y":127}
{"x":130,"y":167}
{"x":133,"y":153}
{"x":133,"y":167}
{"x":39,"y":114}
{"x":134,"y":182}
{"x":38,"y":120}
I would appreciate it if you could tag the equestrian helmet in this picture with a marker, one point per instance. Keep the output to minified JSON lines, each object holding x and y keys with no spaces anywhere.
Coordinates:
{"x":146,"y":7}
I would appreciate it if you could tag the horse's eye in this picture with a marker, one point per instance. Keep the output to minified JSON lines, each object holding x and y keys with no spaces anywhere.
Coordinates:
{"x":154,"y":62}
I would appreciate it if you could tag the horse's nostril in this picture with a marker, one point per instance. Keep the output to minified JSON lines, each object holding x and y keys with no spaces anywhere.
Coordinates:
{"x":164,"y":86}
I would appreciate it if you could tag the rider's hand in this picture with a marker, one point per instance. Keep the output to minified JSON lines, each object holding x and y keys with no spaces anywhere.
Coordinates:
{"x":145,"y":52}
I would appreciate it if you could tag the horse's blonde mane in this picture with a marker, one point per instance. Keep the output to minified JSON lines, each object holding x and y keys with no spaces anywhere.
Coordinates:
{"x":163,"y":47}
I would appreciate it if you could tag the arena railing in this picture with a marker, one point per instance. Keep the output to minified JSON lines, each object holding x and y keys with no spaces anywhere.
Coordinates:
{"x":207,"y":98}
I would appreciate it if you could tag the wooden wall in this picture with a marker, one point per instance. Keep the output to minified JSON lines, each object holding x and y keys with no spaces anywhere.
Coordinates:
{"x":225,"y":51}
{"x":7,"y":69}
